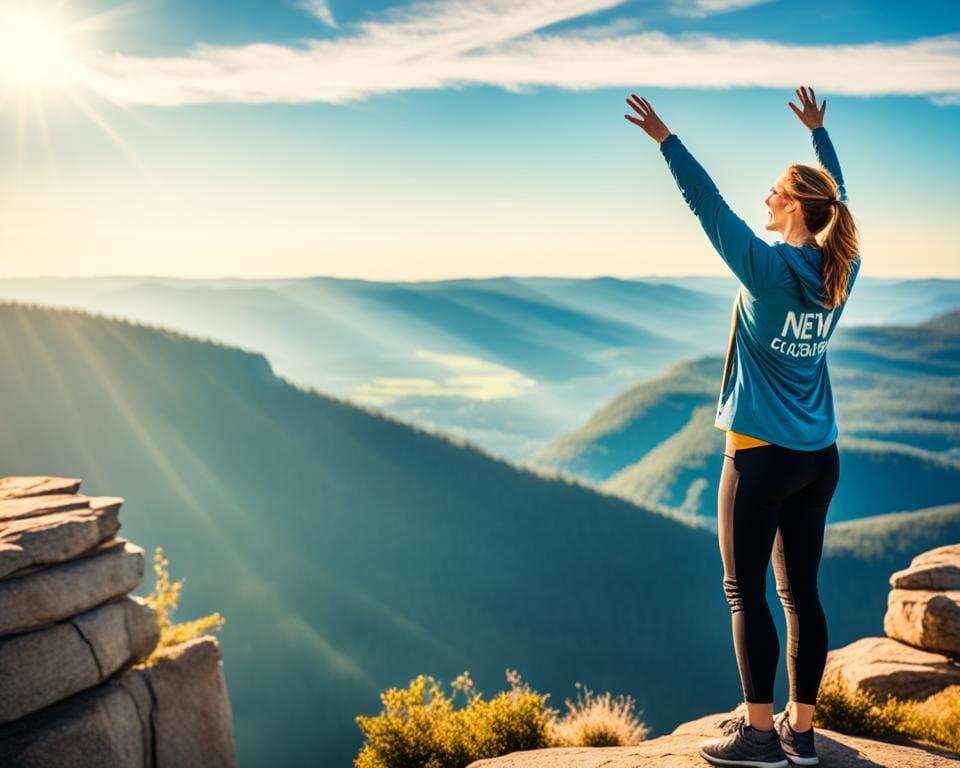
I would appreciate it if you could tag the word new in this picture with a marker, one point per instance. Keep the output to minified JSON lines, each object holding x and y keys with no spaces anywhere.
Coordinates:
{"x":803,"y":325}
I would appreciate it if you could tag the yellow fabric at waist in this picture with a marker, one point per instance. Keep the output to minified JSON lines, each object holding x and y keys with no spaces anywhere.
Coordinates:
{"x":744,"y":441}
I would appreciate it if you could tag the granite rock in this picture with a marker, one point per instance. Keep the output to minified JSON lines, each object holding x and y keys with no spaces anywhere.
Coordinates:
{"x":36,"y":485}
{"x":935,"y":569}
{"x":679,"y":750}
{"x":174,"y":713}
{"x":35,"y":506}
{"x":34,"y":541}
{"x":884,"y":666}
{"x":924,"y":618}
{"x":42,"y":667}
{"x":53,"y":593}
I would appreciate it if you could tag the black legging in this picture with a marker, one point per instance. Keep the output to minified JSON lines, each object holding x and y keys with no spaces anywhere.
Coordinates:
{"x":776,"y":498}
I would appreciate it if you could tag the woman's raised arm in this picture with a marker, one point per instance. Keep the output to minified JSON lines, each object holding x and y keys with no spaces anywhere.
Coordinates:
{"x":750,"y":258}
{"x":812,"y":117}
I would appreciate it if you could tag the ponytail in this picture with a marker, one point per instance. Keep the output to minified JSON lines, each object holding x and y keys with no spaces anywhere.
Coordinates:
{"x":839,"y":246}
{"x":829,"y":218}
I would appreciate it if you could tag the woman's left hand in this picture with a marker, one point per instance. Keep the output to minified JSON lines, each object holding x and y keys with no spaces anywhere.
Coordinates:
{"x":649,"y":121}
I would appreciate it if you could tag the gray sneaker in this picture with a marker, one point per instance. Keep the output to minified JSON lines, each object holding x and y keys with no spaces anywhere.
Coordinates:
{"x":798,"y":747}
{"x":744,"y":745}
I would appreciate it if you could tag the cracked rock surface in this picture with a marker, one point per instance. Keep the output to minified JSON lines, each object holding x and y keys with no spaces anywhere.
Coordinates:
{"x":174,"y":713}
{"x":679,"y":750}
{"x":74,"y":688}
{"x":40,"y":668}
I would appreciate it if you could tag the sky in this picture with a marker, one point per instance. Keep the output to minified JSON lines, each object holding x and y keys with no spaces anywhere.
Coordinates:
{"x":457,"y":138}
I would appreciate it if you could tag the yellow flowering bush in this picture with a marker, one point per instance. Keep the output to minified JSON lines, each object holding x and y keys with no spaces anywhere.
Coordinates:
{"x":163,"y":599}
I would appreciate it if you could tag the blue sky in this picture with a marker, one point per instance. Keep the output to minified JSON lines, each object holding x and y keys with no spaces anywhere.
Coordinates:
{"x":449,"y":138}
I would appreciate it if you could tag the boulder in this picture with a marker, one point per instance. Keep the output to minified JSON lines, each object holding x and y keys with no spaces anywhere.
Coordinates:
{"x":172,"y":714}
{"x":53,"y":593}
{"x":41,"y":667}
{"x":36,"y":485}
{"x":35,"y":506}
{"x":192,"y":717}
{"x":679,"y":750}
{"x":36,"y":541}
{"x":924,"y":618}
{"x":935,"y":569}
{"x":884,"y":666}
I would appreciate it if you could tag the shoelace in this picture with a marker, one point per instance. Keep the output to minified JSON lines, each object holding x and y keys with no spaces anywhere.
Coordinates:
{"x":733,"y":724}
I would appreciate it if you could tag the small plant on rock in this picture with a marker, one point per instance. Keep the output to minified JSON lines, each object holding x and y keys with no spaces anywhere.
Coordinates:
{"x":842,"y":707}
{"x":601,"y":721}
{"x":163,"y":599}
{"x":419,"y":727}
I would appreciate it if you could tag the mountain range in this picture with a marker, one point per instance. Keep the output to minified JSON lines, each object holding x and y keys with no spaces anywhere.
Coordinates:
{"x":349,"y":550}
{"x":895,"y":390}
{"x":508,"y":363}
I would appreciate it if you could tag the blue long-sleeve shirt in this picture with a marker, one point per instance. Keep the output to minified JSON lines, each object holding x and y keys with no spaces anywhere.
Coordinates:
{"x":779,"y":388}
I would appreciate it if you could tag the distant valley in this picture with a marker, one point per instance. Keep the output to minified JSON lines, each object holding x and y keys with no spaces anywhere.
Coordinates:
{"x":349,"y":551}
{"x":507,"y":363}
{"x":898,"y":408}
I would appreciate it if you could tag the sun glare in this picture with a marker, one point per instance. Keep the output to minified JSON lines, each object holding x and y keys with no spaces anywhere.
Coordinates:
{"x":45,"y":54}
{"x":34,"y":54}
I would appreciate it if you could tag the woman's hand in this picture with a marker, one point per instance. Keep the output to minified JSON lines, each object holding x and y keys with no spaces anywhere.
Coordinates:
{"x":649,"y":121}
{"x":810,"y":116}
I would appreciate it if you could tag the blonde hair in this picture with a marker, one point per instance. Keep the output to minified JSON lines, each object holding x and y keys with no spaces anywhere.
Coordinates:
{"x":830,"y":221}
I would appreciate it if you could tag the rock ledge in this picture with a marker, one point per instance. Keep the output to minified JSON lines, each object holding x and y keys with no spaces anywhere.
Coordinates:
{"x":679,"y":750}
{"x":74,"y":689}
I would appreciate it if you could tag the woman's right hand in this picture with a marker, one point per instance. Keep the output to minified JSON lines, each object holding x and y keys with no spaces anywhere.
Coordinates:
{"x":650,"y":121}
{"x":810,"y":116}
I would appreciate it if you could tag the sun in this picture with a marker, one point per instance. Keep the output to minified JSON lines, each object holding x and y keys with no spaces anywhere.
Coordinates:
{"x":45,"y":61}
{"x":35,"y":53}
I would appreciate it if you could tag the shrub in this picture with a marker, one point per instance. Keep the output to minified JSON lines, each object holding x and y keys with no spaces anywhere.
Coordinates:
{"x":413,"y":733}
{"x":841,"y":707}
{"x":936,"y":719}
{"x":599,"y":722}
{"x":163,"y":599}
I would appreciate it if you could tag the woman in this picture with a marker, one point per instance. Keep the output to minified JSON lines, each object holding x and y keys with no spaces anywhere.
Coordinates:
{"x":781,"y":464}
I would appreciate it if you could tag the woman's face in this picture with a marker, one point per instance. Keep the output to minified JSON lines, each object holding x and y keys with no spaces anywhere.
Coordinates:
{"x":781,"y":209}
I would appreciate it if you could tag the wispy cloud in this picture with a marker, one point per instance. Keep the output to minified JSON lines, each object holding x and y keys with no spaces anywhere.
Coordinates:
{"x":700,"y":8}
{"x":320,"y":9}
{"x":497,"y":42}
{"x":947,"y":100}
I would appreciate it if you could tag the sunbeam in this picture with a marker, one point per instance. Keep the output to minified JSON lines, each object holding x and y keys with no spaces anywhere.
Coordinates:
{"x":44,"y":58}
{"x":101,"y":122}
